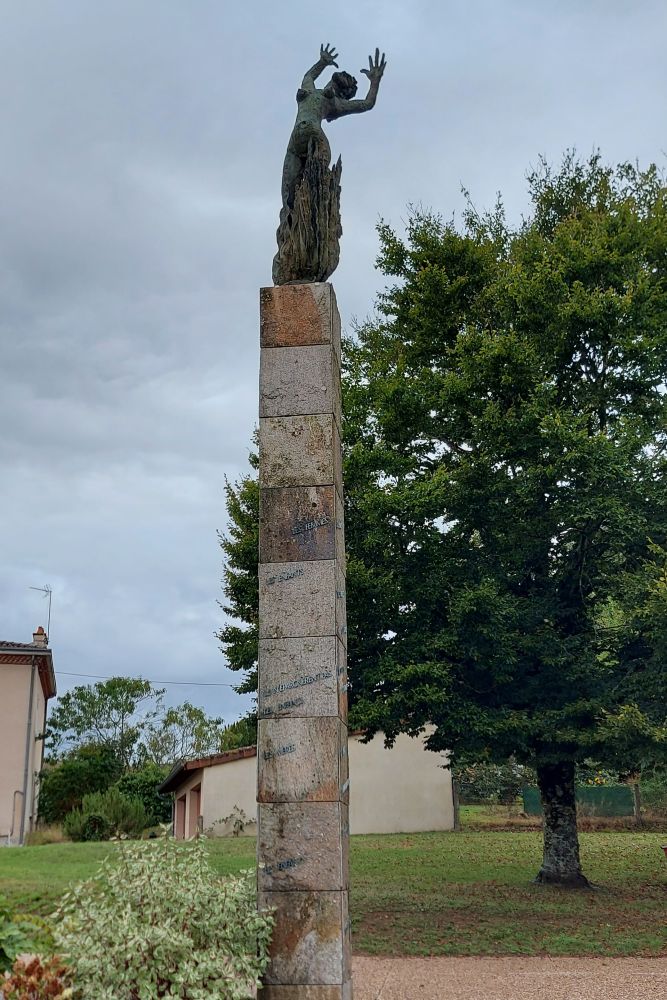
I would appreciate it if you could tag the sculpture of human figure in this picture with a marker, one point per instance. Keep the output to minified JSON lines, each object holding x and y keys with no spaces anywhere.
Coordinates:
{"x":334,"y":101}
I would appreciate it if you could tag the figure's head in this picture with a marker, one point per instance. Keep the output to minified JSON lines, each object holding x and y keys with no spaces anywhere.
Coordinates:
{"x":343,"y":85}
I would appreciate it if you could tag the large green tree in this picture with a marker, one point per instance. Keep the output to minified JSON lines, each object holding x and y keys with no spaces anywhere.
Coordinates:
{"x":110,"y":714}
{"x":240,"y":546}
{"x":180,"y":732}
{"x":506,"y":477}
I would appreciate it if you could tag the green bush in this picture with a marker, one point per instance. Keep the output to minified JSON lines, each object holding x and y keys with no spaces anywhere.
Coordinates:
{"x":19,"y":934}
{"x":492,"y":783}
{"x":96,"y":827}
{"x":105,"y":814}
{"x":653,"y":791}
{"x":158,"y":921}
{"x":62,"y":786}
{"x":143,"y":783}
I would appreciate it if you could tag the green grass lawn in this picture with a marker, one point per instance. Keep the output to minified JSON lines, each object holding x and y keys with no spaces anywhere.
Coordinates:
{"x":466,"y":893}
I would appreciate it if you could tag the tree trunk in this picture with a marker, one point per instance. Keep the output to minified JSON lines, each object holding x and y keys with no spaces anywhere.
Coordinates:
{"x":560,"y":863}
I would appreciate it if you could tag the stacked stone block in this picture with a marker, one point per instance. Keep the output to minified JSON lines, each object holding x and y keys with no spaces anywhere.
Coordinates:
{"x":303,"y":783}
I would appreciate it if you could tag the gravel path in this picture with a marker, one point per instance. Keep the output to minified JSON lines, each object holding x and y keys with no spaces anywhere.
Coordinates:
{"x":510,"y":978}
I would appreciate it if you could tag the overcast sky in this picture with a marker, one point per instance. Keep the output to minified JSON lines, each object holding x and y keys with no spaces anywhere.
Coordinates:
{"x":141,"y":152}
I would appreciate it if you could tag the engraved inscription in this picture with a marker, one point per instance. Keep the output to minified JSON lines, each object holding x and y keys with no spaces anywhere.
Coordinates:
{"x":289,"y":574}
{"x":279,"y":751}
{"x":284,"y":866}
{"x":296,"y":683}
{"x":283,"y":706}
{"x":301,"y":527}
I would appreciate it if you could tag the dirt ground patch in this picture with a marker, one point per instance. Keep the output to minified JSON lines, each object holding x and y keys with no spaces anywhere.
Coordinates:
{"x":509,"y":978}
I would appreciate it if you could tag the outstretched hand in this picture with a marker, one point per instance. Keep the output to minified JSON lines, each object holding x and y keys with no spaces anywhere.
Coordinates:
{"x":328,"y":55}
{"x":375,"y":68}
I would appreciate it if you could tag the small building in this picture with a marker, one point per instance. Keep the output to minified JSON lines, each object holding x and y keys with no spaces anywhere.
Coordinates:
{"x":27,"y":681}
{"x":402,"y":790}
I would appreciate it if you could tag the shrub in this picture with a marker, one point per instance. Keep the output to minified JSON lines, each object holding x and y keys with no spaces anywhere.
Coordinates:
{"x":124,"y":813}
{"x":104,"y":814}
{"x":96,"y":827}
{"x":19,"y":934}
{"x":653,"y":788}
{"x":62,"y":786}
{"x":143,"y":783}
{"x":157,"y":921}
{"x":238,"y":820}
{"x":87,"y":826}
{"x":37,"y":979}
{"x":493,"y":783}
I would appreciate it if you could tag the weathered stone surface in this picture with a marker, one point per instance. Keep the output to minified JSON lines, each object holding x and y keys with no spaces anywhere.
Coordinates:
{"x":298,"y":677}
{"x":307,"y":943}
{"x":341,"y":606}
{"x":341,"y":673}
{"x":297,"y":599}
{"x":299,"y":760}
{"x":339,"y":540}
{"x":347,"y":936}
{"x":336,"y":338}
{"x":303,"y":767}
{"x":337,"y":446}
{"x":297,"y":380}
{"x":299,"y":315}
{"x":345,"y":843}
{"x":300,"y":846}
{"x":343,"y":763}
{"x":297,"y":523}
{"x":299,"y":451}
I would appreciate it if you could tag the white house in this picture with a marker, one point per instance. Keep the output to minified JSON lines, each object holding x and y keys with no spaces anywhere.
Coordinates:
{"x":402,"y":790}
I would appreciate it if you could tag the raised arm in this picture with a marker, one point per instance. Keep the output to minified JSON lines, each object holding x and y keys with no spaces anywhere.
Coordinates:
{"x":328,"y":56}
{"x":374,"y":73}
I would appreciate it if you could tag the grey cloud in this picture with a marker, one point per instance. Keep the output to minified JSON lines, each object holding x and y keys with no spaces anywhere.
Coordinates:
{"x":140,"y":155}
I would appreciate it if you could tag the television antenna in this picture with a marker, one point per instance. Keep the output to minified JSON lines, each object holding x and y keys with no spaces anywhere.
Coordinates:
{"x":46,"y":590}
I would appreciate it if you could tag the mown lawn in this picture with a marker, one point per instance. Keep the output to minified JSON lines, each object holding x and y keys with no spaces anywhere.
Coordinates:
{"x":466,"y":893}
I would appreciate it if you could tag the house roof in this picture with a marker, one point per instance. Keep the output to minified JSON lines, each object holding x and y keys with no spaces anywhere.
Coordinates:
{"x":177,"y":773}
{"x":32,"y":646}
{"x":179,"y":770}
{"x":23,"y":654}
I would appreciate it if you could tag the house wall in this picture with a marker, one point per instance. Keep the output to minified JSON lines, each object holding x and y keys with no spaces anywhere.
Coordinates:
{"x":36,"y":753}
{"x":14,"y":694}
{"x":14,"y":705}
{"x":402,"y":790}
{"x":228,"y":785}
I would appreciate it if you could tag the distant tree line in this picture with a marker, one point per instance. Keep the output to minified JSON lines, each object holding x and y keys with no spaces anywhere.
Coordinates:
{"x":118,"y":734}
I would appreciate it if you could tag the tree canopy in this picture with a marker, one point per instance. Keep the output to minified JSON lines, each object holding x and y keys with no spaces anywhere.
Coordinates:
{"x":239,"y":636}
{"x":109,"y":714}
{"x":505,"y":488}
{"x":506,"y":472}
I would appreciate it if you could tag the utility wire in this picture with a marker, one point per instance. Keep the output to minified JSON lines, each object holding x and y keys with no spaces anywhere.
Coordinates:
{"x":107,"y":677}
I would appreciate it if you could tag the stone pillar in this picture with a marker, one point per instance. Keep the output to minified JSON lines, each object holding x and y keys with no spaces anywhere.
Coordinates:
{"x":303,"y":786}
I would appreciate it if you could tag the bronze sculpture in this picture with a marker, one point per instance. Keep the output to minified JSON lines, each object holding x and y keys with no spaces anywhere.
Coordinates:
{"x":310,"y":228}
